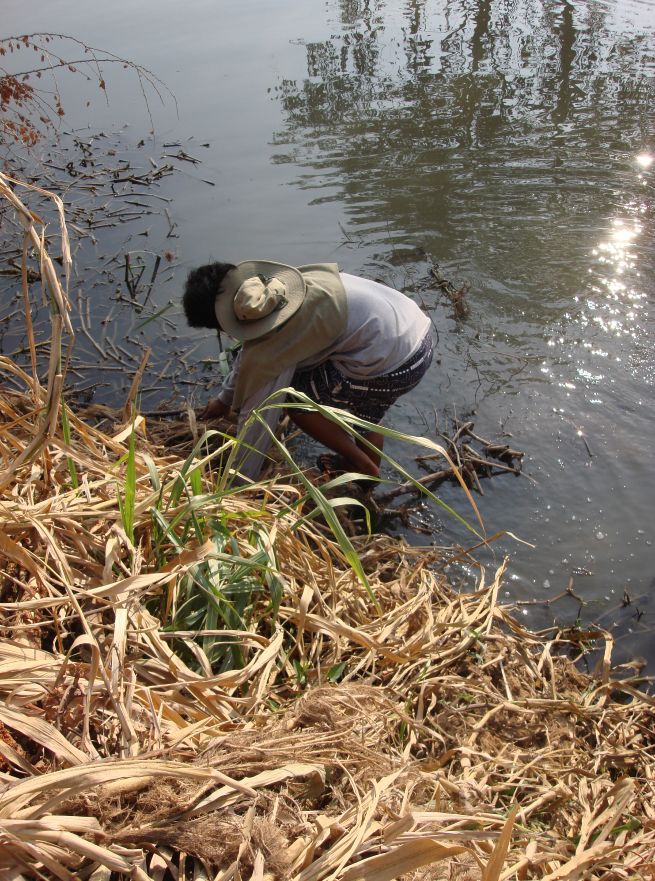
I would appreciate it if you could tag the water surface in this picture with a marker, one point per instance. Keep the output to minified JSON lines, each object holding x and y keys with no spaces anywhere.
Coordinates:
{"x":512,"y":144}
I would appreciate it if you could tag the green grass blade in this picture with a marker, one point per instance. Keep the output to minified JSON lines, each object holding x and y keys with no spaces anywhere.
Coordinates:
{"x":351,"y":423}
{"x":326,"y":510}
{"x":127,"y":503}
{"x":66,"y":431}
{"x":157,"y":314}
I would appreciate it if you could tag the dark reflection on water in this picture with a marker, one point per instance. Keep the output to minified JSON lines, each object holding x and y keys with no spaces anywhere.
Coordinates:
{"x":389,"y":119}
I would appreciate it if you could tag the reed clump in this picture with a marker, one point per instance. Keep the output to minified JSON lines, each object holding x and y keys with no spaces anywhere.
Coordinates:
{"x":196,"y":683}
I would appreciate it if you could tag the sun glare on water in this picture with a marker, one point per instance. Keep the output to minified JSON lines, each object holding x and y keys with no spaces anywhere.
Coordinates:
{"x":616,"y":302}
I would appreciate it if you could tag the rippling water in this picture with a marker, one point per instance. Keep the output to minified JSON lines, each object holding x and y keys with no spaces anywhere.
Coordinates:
{"x":510,"y":142}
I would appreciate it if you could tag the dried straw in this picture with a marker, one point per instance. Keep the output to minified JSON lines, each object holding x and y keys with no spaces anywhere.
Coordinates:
{"x":433,"y":737}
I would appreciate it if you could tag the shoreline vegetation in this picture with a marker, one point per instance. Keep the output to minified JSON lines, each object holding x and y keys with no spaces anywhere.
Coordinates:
{"x":199,"y":681}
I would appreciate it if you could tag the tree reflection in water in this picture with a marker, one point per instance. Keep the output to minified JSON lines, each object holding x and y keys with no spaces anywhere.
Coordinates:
{"x":397,"y":104}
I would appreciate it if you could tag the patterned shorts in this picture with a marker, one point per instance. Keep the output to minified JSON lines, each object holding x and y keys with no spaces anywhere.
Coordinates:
{"x":367,"y":398}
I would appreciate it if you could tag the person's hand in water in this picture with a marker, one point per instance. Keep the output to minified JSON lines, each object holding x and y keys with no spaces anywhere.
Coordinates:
{"x":215,"y":409}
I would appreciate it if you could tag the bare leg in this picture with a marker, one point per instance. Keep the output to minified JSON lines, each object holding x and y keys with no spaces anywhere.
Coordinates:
{"x":375,"y":438}
{"x":356,"y":458}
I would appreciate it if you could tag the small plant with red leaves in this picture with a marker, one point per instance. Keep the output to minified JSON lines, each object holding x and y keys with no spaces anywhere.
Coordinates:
{"x":27,"y":110}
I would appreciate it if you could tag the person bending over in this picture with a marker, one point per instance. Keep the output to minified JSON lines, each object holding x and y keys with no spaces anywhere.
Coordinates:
{"x":345,"y":341}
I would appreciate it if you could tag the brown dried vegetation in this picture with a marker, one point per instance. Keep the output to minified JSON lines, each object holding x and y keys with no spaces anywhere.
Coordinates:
{"x":433,"y":737}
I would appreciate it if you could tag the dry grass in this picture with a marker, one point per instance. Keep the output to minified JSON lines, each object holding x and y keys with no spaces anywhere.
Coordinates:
{"x":316,"y":736}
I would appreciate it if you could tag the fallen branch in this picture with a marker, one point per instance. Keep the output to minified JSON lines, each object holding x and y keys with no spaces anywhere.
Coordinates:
{"x":469,"y":462}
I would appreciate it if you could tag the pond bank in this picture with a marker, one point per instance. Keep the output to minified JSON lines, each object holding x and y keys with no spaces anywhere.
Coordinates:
{"x":208,"y":683}
{"x":198,"y":680}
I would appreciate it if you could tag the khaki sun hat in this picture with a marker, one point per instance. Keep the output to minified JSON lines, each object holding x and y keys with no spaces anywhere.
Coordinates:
{"x":257,"y":296}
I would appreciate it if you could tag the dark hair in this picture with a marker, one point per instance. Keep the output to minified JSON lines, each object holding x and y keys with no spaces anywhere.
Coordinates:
{"x":200,"y":291}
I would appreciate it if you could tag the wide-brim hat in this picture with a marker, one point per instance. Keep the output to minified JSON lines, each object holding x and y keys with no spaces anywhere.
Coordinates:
{"x":258,"y":296}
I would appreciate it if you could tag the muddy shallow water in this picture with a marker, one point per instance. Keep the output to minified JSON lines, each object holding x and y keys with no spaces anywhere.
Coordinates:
{"x":512,"y":144}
